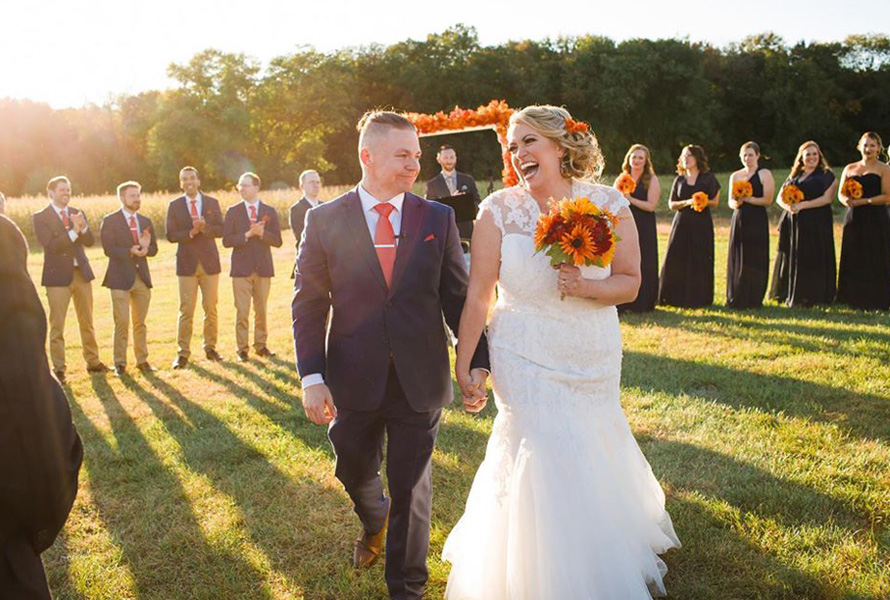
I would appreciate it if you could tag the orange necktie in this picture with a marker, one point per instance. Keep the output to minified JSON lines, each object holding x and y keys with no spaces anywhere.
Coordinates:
{"x":134,"y":229}
{"x":194,"y":209}
{"x":252,"y":213}
{"x":65,"y":220}
{"x":385,"y":240}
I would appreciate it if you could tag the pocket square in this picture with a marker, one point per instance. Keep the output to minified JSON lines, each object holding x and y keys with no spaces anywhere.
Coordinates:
{"x":429,"y":238}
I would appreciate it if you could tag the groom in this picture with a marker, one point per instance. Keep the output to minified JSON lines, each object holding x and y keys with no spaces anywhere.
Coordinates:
{"x":387,"y":265}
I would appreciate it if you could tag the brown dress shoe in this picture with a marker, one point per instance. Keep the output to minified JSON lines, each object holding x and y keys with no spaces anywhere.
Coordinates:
{"x":180,"y":363}
{"x":213,"y":355}
{"x":145,"y":367}
{"x":265,"y":353}
{"x":369,"y":548}
{"x":242,"y":356}
{"x":120,"y":370}
{"x":99,"y":367}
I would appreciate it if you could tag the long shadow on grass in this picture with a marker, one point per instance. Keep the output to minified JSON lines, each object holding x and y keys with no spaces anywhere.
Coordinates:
{"x":808,"y":331}
{"x":303,"y":528}
{"x":863,"y":415}
{"x":718,"y":559}
{"x":148,"y":515}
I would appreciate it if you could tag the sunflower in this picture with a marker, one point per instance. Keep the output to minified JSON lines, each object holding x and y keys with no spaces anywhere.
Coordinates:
{"x":742,"y":189}
{"x":852,"y":189}
{"x":545,"y":226}
{"x":626,"y":184}
{"x":577,"y":206}
{"x":578,"y":245}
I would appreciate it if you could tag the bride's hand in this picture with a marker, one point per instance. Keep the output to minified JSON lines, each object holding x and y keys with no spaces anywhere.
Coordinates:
{"x":569,"y":282}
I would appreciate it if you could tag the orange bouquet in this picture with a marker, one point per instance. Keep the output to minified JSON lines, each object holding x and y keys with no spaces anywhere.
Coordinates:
{"x":742,"y":189}
{"x":791,"y":194}
{"x":852,"y":189}
{"x":578,"y":232}
{"x":626,"y":184}
{"x":699,"y":201}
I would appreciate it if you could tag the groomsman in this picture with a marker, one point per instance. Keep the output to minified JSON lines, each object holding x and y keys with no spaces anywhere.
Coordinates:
{"x":310,"y":185}
{"x":193,"y":222}
{"x":63,"y":231}
{"x":251,"y":229}
{"x":451,"y":183}
{"x":128,"y":238}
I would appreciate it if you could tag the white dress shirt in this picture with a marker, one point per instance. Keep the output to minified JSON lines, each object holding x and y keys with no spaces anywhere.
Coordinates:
{"x":371,"y":218}
{"x":199,"y":204}
{"x":127,"y":215}
{"x":73,"y":235}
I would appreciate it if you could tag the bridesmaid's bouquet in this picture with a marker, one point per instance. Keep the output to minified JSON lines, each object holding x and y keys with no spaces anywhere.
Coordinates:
{"x":791,"y":194}
{"x":852,"y":189}
{"x":742,"y":189}
{"x":577,"y":231}
{"x":699,"y":201}
{"x":626,"y":184}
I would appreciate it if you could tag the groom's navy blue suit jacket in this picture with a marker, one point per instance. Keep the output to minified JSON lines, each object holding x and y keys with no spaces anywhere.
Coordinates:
{"x":372,"y":324}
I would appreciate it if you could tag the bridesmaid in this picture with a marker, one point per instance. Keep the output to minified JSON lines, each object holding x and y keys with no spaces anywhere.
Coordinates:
{"x":864,"y":275}
{"x":747,"y":269}
{"x":643,"y":201}
{"x":811,"y":263}
{"x":687,"y":275}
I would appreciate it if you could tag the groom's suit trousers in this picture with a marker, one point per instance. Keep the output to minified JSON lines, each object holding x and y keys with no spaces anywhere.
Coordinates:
{"x":358,"y":437}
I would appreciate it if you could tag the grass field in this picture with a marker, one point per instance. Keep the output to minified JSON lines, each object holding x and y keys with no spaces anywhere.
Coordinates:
{"x":769,"y":430}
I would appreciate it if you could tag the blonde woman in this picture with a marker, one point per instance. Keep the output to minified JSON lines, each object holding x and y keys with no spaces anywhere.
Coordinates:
{"x":564,"y":505}
{"x":643,"y":202}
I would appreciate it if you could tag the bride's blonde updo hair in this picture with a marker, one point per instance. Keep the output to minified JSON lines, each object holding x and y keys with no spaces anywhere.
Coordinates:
{"x":583,"y":158}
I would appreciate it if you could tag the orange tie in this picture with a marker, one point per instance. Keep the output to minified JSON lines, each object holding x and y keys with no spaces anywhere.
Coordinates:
{"x":252,"y":214}
{"x":194,"y":209}
{"x":65,"y":220}
{"x":385,"y":240}
{"x":134,"y":230}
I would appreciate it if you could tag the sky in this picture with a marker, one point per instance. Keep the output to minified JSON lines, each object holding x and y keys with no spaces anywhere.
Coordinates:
{"x":71,"y":52}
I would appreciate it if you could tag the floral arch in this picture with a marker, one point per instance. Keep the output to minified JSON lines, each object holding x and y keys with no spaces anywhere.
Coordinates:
{"x":495,"y":115}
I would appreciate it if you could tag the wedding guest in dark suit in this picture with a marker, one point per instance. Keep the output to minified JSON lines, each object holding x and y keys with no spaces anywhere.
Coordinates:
{"x":251,"y":229}
{"x":64,"y":232}
{"x":194,"y":221}
{"x":450,"y":183}
{"x":310,"y":185}
{"x":40,"y":451}
{"x":128,"y":238}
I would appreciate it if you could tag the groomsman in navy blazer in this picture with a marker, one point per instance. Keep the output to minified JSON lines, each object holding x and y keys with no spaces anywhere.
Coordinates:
{"x":64,"y":232}
{"x":310,"y":185}
{"x":450,"y":183}
{"x":194,"y":221}
{"x":128,"y":238}
{"x":251,"y":228}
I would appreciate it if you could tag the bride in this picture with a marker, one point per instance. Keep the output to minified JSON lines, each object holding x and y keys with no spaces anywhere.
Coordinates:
{"x":564,"y":506}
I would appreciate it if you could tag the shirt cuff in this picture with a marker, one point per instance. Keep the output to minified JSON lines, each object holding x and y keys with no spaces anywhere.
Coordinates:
{"x":72,"y":234}
{"x":312,"y":379}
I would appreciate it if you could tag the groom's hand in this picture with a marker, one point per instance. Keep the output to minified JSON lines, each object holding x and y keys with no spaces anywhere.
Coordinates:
{"x":319,"y":404}
{"x":475,"y":395}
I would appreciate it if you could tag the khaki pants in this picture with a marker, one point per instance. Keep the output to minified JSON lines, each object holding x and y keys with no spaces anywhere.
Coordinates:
{"x":136,"y":299}
{"x":188,"y":298}
{"x":58,"y":298}
{"x":254,"y":288}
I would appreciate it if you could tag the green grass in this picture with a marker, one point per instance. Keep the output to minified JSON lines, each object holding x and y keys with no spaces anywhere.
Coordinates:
{"x":769,"y":430}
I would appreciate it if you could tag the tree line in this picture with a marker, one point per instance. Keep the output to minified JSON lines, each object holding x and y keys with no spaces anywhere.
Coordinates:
{"x":228,"y":113}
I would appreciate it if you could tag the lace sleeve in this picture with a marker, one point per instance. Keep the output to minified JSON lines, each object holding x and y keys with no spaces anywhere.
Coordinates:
{"x":494,"y":208}
{"x":605,"y":197}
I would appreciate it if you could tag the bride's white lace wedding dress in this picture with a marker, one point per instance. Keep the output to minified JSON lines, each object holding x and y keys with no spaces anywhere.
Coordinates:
{"x":565,"y":505}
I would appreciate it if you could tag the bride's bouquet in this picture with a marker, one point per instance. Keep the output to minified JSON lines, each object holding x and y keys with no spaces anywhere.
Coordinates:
{"x":576,"y":231}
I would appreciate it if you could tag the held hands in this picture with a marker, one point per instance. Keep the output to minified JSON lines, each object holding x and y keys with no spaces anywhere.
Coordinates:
{"x":472,"y":389}
{"x":319,"y":404}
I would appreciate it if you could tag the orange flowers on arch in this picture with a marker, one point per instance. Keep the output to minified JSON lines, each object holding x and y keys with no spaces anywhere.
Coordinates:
{"x":494,"y":115}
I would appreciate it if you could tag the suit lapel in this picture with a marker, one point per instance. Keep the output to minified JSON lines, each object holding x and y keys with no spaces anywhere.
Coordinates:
{"x":358,"y":227}
{"x":413,"y":213}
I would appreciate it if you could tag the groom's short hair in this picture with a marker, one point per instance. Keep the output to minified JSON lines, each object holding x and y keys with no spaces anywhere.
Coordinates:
{"x":376,"y":122}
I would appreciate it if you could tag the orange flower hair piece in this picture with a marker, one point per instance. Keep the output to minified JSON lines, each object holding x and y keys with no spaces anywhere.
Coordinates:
{"x":626,"y":184}
{"x":699,"y":201}
{"x":791,"y":194}
{"x":573,"y":126}
{"x":852,"y":189}
{"x":742,"y":189}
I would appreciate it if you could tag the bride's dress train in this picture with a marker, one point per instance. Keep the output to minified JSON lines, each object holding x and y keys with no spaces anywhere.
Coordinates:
{"x":565,"y":505}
